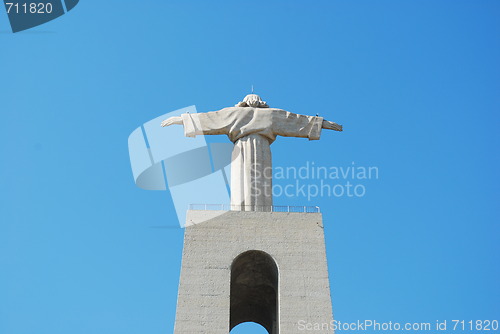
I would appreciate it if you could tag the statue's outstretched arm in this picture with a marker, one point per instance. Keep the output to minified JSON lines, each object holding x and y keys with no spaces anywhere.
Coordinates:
{"x":331,"y":126}
{"x":172,"y":120}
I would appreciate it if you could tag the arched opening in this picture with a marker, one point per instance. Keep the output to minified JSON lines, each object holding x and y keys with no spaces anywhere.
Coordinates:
{"x":249,"y":328}
{"x":254,"y":290}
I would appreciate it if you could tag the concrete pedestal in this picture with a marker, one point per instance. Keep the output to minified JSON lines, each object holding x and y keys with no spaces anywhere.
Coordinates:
{"x":267,"y":267}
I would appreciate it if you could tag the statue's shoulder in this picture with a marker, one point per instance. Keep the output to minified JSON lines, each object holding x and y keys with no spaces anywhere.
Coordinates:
{"x":250,"y":110}
{"x":276,"y":111}
{"x":237,"y":109}
{"x":233,"y":108}
{"x":226,"y":110}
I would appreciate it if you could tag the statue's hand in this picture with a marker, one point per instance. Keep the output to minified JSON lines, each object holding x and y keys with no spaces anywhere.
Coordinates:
{"x":172,"y":120}
{"x":332,"y":126}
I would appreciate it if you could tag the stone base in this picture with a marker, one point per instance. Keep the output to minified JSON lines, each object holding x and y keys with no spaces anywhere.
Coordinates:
{"x":296,"y":243}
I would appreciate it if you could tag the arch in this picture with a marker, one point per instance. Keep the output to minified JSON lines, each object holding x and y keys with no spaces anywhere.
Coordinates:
{"x":248,"y":327}
{"x":254,"y":290}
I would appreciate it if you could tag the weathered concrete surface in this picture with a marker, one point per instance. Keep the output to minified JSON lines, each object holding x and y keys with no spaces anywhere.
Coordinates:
{"x":294,"y":240}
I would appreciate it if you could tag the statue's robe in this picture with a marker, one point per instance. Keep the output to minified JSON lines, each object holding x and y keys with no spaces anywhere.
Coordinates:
{"x":252,"y":130}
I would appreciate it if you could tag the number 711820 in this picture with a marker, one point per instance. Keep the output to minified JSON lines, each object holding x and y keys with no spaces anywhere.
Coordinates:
{"x":477,"y":325}
{"x":29,"y":8}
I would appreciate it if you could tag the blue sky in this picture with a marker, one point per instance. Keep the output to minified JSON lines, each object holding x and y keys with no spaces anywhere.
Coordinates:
{"x":415,"y":84}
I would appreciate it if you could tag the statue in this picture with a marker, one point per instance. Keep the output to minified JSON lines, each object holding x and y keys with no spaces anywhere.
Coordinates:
{"x":252,"y":126}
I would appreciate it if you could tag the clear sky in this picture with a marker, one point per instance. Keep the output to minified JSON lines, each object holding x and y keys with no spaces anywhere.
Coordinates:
{"x":415,"y":84}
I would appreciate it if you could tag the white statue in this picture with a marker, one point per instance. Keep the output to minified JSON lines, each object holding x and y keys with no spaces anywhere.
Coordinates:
{"x":252,"y":126}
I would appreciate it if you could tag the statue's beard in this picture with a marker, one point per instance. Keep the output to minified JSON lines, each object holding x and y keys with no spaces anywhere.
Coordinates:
{"x":256,"y":104}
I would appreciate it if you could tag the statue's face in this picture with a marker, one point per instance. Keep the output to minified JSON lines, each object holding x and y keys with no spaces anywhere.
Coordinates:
{"x":253,"y":100}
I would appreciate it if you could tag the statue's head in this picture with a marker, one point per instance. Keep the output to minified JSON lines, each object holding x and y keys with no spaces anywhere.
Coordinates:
{"x":252,"y":100}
